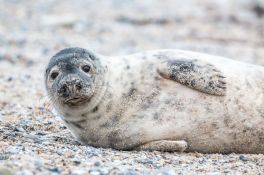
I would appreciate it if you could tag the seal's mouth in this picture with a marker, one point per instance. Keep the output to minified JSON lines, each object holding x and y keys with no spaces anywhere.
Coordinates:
{"x":76,"y":101}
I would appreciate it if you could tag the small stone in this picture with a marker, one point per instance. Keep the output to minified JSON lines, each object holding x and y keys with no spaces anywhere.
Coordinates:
{"x":19,"y":129}
{"x":202,"y":161}
{"x":40,"y":133}
{"x":47,"y":122}
{"x":55,"y":170}
{"x":77,"y":162}
{"x":242,"y":158}
{"x":97,"y":163}
{"x":63,"y":126}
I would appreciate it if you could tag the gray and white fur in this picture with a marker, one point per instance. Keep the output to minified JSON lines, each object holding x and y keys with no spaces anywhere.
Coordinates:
{"x":164,"y":100}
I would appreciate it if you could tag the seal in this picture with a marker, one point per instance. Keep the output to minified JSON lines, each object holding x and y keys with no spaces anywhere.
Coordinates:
{"x":163,"y":100}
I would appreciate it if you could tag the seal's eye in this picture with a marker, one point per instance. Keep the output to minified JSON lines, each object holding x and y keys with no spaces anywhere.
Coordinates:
{"x":86,"y":68}
{"x":54,"y":75}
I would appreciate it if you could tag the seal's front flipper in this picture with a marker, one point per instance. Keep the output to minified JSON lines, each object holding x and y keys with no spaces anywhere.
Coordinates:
{"x":194,"y":74}
{"x":164,"y":145}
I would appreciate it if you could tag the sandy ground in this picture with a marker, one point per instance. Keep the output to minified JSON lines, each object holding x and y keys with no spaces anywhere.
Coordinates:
{"x":34,"y":141}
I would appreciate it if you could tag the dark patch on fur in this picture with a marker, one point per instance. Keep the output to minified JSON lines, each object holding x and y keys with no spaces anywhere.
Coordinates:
{"x":167,"y":101}
{"x":118,"y":140}
{"x":109,"y":106}
{"x":131,"y":91}
{"x":95,"y":109}
{"x":67,"y":114}
{"x":137,"y":116}
{"x":105,"y":125}
{"x":177,"y":104}
{"x":193,"y":83}
{"x":235,"y":136}
{"x":156,"y":116}
{"x":227,"y":122}
{"x":97,"y":117}
{"x":115,"y":119}
{"x":214,"y":125}
{"x":113,"y":138}
{"x":180,"y":66}
{"x":208,"y":109}
{"x":150,"y":98}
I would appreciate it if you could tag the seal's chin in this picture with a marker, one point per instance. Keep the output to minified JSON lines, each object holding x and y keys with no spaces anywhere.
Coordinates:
{"x":76,"y":101}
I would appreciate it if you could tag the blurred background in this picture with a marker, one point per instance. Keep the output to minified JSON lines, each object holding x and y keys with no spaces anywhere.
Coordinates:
{"x":31,"y":31}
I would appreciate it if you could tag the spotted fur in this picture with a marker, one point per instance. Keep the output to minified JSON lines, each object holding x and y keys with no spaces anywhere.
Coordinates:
{"x":165,"y":100}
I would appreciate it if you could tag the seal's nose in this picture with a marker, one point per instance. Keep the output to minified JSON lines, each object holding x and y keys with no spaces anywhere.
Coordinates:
{"x":70,"y":87}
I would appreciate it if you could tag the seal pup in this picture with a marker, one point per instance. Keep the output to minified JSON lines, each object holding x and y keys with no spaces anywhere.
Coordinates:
{"x":163,"y":100}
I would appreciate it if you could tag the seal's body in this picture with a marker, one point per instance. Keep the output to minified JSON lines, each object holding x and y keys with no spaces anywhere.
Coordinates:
{"x":167,"y":100}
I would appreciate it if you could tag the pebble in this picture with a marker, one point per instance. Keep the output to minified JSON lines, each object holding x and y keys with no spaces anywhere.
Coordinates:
{"x":77,"y":162}
{"x":55,"y":170}
{"x":242,"y":157}
{"x":19,"y":129}
{"x":97,"y":163}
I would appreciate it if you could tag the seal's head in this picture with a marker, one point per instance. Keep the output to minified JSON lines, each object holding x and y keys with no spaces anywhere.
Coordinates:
{"x":73,"y":77}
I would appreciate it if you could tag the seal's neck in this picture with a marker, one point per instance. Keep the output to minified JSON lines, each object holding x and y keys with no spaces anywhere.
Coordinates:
{"x":102,"y":85}
{"x":99,"y":95}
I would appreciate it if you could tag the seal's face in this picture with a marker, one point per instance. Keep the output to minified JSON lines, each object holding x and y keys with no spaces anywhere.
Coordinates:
{"x":71,"y":77}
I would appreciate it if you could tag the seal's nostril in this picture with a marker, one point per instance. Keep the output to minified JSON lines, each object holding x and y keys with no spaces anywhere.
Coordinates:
{"x":78,"y":86}
{"x":63,"y":91}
